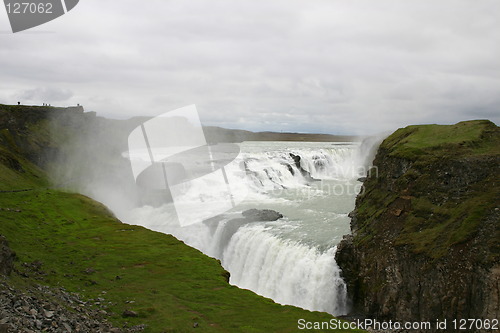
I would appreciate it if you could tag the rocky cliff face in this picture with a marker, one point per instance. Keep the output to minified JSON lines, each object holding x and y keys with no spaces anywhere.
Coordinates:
{"x":6,"y":257}
{"x":425,"y":230}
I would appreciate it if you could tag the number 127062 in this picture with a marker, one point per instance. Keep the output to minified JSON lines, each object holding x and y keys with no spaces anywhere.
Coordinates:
{"x":29,"y":8}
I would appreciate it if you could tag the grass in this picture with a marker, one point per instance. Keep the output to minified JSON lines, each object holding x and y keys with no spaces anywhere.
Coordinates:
{"x":440,"y":215}
{"x":433,"y":229}
{"x":16,"y":173}
{"x":85,"y":249}
{"x":464,"y":138}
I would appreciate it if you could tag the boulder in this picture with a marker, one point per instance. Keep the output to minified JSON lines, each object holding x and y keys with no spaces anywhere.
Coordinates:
{"x":254,"y":215}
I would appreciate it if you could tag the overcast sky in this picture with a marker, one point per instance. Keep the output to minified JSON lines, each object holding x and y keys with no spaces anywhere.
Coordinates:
{"x":330,"y":66}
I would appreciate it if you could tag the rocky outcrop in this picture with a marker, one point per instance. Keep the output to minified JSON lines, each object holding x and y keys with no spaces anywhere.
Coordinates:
{"x":46,"y":309}
{"x":425,"y":230}
{"x":254,"y":215}
{"x":306,"y":174}
{"x":6,"y":257}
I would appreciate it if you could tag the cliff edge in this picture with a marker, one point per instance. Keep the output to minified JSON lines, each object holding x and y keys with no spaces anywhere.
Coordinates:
{"x":425,"y":229}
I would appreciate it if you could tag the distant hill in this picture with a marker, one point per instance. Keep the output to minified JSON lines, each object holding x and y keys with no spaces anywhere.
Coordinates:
{"x":214,"y":134}
{"x":219,"y":134}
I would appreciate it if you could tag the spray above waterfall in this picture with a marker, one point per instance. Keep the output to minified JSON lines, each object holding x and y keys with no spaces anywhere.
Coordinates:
{"x":207,"y":195}
{"x":172,"y":163}
{"x":304,"y":192}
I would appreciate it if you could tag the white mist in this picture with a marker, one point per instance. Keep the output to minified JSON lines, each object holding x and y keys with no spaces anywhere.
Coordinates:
{"x":291,"y":260}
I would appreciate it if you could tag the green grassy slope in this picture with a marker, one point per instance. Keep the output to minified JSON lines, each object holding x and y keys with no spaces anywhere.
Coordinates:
{"x":446,"y":184}
{"x":83,"y":248}
{"x":425,"y":142}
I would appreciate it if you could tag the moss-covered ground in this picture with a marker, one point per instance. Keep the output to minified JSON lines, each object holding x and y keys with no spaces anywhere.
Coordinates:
{"x":466,"y":138}
{"x":445,"y":190}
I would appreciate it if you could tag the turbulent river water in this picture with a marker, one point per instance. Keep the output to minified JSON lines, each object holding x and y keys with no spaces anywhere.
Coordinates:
{"x":291,"y":260}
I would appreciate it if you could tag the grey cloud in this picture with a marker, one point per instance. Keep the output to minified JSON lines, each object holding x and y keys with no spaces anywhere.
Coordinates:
{"x":45,"y":94}
{"x":325,"y":65}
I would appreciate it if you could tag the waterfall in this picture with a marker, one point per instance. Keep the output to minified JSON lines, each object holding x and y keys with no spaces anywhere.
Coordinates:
{"x":291,"y":167}
{"x":291,"y":260}
{"x":285,"y":271}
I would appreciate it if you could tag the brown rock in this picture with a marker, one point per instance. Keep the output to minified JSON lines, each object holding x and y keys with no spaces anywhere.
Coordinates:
{"x":6,"y":257}
{"x":129,"y":313}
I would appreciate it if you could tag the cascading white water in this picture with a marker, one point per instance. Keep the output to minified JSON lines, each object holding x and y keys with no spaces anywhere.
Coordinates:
{"x":284,"y":270}
{"x":290,"y":260}
{"x":278,"y":167}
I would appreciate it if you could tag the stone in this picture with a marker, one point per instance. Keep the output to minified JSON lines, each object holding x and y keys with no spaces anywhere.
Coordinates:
{"x":129,"y":313}
{"x":253,"y":215}
{"x":67,"y":327}
{"x":89,"y":270}
{"x":48,"y":314}
{"x":31,"y":312}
